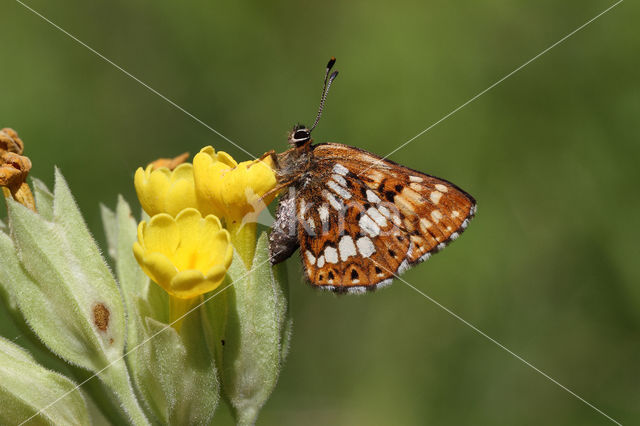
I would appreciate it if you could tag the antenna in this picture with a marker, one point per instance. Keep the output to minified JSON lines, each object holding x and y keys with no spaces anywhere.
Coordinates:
{"x":328,"y":79}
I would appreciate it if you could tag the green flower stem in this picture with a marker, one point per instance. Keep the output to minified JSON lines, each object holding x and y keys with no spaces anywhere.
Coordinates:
{"x":117,"y":378}
{"x":249,"y":332}
{"x":178,"y":308}
{"x":243,"y":238}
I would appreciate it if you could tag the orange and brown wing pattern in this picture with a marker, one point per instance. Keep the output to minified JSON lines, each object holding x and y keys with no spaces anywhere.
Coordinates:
{"x":362,"y":219}
{"x":345,"y":242}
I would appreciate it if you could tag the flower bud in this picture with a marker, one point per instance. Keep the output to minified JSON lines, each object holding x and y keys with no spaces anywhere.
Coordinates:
{"x":165,"y":191}
{"x":231,"y":190}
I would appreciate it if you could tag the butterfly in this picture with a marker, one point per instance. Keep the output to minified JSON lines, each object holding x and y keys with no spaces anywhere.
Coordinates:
{"x":359,"y":219}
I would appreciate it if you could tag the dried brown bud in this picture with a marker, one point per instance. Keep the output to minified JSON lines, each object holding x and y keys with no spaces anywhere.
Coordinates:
{"x":170,"y":163}
{"x":10,"y":142}
{"x":14,"y":168}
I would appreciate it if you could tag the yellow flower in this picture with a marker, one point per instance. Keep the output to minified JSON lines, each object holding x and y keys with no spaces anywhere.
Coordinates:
{"x":165,"y":191}
{"x":231,"y":190}
{"x":187,"y":256}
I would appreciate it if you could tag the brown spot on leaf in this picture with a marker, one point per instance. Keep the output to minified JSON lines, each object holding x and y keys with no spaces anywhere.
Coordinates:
{"x":101,"y":316}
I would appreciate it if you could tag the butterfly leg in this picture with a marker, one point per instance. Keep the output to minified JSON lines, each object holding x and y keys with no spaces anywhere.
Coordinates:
{"x":276,"y":189}
{"x":272,"y":154}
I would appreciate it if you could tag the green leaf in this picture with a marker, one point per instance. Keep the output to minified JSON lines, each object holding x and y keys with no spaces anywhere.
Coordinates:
{"x":281,"y":276}
{"x":67,"y":293}
{"x":132,"y":279}
{"x":26,"y":388}
{"x":44,"y":199}
{"x":255,"y":333}
{"x":120,"y":228}
{"x":110,"y":226}
{"x":6,"y":296}
{"x":70,"y":300}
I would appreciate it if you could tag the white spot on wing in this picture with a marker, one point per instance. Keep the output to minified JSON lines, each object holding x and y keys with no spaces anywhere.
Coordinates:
{"x":372,"y":197}
{"x":455,"y":213}
{"x":323,"y":211}
{"x":369,"y":226}
{"x":416,"y":187}
{"x":339,"y":190}
{"x":303,"y":208}
{"x":435,"y":197}
{"x":412,"y":196}
{"x":377,"y":217}
{"x":403,"y":267}
{"x":440,"y":187}
{"x":384,"y":283}
{"x":415,"y":179}
{"x":311,"y":226}
{"x":321,"y":261}
{"x":340,"y":169}
{"x":356,"y":289}
{"x":365,"y":246}
{"x":424,"y":225}
{"x":436,"y":215}
{"x":346,"y":247}
{"x":384,"y":211}
{"x":454,"y":236}
{"x":410,"y":251}
{"x":310,"y":257}
{"x":331,"y":255}
{"x":342,"y":181}
{"x":332,"y":200}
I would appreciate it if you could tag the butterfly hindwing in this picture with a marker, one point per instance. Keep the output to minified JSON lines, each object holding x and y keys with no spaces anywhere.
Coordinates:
{"x":340,"y":240}
{"x":362,"y":219}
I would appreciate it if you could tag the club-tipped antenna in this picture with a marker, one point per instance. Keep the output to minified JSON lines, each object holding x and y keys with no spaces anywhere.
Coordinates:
{"x":328,"y":79}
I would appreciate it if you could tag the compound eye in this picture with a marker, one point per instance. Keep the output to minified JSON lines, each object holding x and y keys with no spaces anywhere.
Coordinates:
{"x":301,"y":135}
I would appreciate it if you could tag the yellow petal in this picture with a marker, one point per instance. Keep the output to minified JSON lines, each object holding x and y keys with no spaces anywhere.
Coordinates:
{"x":165,"y":191}
{"x":216,"y":274}
{"x":219,"y":243}
{"x":177,"y":253}
{"x":147,"y":194}
{"x":233,"y":190}
{"x":162,"y":235}
{"x":159,"y":268}
{"x":188,"y":284}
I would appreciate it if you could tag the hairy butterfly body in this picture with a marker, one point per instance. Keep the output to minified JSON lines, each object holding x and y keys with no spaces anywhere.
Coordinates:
{"x":358,"y":219}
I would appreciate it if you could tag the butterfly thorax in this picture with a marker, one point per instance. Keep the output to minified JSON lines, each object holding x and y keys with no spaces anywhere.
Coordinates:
{"x":294,"y":163}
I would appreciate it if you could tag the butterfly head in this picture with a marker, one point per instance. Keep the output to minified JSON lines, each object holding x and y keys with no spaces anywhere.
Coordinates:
{"x":299,"y":135}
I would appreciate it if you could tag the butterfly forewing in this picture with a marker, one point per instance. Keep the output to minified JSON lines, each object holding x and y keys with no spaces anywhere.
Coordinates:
{"x":362,"y":219}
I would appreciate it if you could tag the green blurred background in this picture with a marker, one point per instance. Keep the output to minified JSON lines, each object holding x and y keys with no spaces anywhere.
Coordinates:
{"x":549,"y":267}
